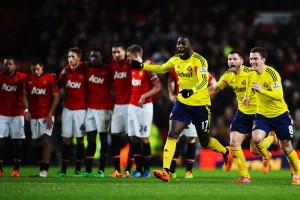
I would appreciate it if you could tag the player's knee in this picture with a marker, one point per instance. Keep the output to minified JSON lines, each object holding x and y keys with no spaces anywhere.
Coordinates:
{"x":173,"y":134}
{"x":287,"y":149}
{"x":234,"y":143}
{"x":45,"y":142}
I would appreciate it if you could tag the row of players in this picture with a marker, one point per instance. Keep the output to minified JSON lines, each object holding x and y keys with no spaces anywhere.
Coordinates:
{"x":88,"y":109}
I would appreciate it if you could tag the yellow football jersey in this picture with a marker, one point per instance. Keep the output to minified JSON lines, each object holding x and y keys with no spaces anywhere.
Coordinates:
{"x":238,"y":83}
{"x":192,"y":74}
{"x":270,"y":102}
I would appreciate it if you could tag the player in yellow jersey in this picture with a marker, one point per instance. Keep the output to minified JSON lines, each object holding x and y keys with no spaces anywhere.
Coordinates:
{"x":272,"y":111}
{"x":237,"y":78}
{"x":192,"y":104}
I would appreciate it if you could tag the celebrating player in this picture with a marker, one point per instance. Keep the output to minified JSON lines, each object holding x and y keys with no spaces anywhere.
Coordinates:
{"x":237,"y":78}
{"x":272,"y":112}
{"x":192,"y":105}
{"x":190,"y":133}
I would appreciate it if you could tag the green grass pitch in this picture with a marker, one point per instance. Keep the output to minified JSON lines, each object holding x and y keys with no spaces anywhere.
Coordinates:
{"x":216,"y":184}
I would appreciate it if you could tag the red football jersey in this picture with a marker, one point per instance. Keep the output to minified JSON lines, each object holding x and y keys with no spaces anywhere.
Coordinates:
{"x":122,"y":81}
{"x":11,"y":94}
{"x":141,"y":82}
{"x":40,"y":90}
{"x":74,"y":82}
{"x":99,"y":87}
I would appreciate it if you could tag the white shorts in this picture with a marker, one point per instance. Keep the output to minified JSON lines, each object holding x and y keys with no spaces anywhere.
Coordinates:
{"x":190,"y":132}
{"x":97,"y":120}
{"x":119,"y":121}
{"x":38,"y":128}
{"x":73,"y":123}
{"x":140,"y":120}
{"x":12,"y":126}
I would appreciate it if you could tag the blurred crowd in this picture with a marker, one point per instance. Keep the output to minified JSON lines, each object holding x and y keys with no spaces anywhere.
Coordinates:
{"x":49,"y":28}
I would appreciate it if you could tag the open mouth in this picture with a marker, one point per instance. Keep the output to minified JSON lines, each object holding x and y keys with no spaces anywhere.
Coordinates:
{"x":180,"y":50}
{"x":232,"y":67}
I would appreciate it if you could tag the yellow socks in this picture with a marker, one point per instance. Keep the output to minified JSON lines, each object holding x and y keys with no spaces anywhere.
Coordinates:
{"x":269,"y":140}
{"x":263,"y":148}
{"x":216,"y":146}
{"x":293,"y":160}
{"x":240,"y":161}
{"x":169,"y":151}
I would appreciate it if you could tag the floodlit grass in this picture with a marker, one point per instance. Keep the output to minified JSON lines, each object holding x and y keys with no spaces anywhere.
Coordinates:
{"x":206,"y":185}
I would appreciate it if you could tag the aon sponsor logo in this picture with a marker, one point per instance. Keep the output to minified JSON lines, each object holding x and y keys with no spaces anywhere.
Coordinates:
{"x":9,"y":88}
{"x":136,"y":82}
{"x":75,"y":85}
{"x":38,"y":91}
{"x":95,"y":79}
{"x":120,"y":75}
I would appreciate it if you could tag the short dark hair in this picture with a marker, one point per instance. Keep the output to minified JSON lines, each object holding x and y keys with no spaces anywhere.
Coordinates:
{"x":97,"y":49}
{"x":36,"y":61}
{"x":76,"y":50}
{"x":262,"y":51}
{"x":8,"y":58}
{"x":189,"y":39}
{"x":235,"y":51}
{"x":119,"y":45}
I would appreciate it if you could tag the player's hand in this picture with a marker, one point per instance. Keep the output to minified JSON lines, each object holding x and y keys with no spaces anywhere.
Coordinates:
{"x":173,"y":98}
{"x":136,"y":64}
{"x":49,"y":122}
{"x":257,"y":87}
{"x":186,"y":93}
{"x":245,"y":100}
{"x":141,"y":102}
{"x":27,"y":116}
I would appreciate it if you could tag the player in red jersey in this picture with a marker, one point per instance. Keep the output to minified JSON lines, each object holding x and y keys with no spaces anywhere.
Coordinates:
{"x":11,"y":111}
{"x":190,"y":133}
{"x":40,"y":99}
{"x":140,"y":112}
{"x":72,"y":81}
{"x":98,"y":116}
{"x":122,"y":86}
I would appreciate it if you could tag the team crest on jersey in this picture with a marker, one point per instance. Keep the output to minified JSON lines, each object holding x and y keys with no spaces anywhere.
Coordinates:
{"x":141,"y":73}
{"x":266,"y":85}
{"x":81,"y":76}
{"x":45,"y":82}
{"x":203,"y":69}
{"x":189,"y":68}
{"x":244,"y":82}
{"x":276,"y":85}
